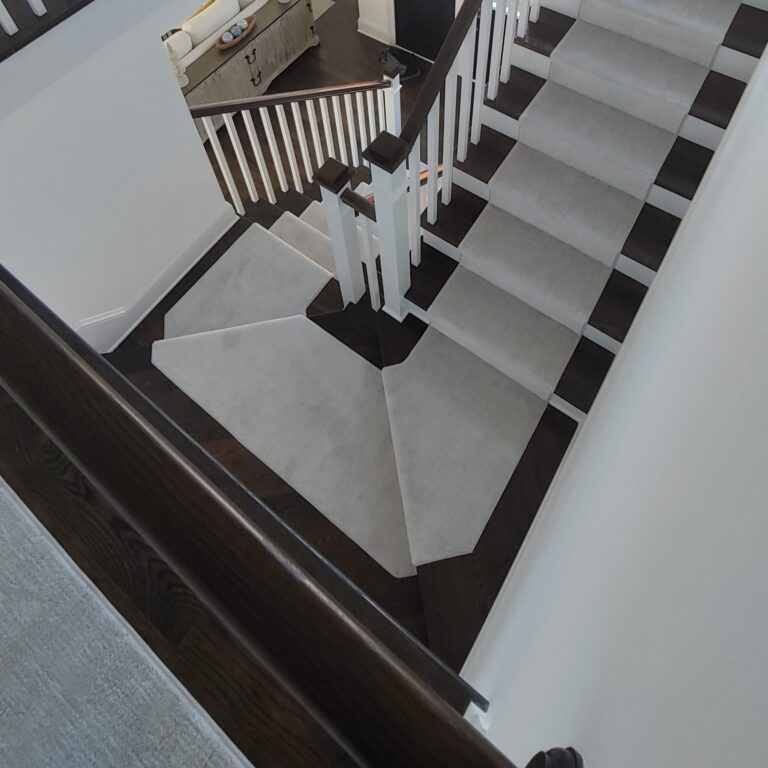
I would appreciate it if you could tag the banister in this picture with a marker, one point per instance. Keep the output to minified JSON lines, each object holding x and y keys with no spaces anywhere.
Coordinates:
{"x":146,"y":468}
{"x":360,"y":204}
{"x":290,"y":97}
{"x":437,"y":75}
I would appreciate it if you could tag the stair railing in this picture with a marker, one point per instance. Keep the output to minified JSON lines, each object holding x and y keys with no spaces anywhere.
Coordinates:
{"x":7,"y":23}
{"x":350,"y":117}
{"x":474,"y":59}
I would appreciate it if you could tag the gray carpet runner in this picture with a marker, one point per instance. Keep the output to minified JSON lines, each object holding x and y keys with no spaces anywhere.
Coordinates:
{"x":410,"y":462}
{"x":79,"y":687}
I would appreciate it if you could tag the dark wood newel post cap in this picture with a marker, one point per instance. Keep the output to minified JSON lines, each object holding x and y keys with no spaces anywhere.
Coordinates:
{"x":557,"y":758}
{"x":387,"y":152}
{"x":334,"y":176}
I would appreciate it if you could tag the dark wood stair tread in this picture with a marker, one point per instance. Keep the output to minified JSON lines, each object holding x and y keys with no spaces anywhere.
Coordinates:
{"x":650,"y":238}
{"x":718,"y":98}
{"x":455,"y":220}
{"x":515,"y":96}
{"x":458,"y":593}
{"x":617,"y":306}
{"x":545,"y":35}
{"x":748,"y":32}
{"x":584,"y":374}
{"x":484,"y":159}
{"x":429,"y":278}
{"x":684,"y":168}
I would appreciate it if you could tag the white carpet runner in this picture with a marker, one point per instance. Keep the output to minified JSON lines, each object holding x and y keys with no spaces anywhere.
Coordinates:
{"x":410,"y":462}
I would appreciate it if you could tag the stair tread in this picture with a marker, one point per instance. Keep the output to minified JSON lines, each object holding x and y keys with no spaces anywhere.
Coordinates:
{"x":315,"y":217}
{"x":571,"y":206}
{"x":513,"y":337}
{"x":610,"y":145}
{"x":260,"y":277}
{"x":306,"y":239}
{"x":549,"y":275}
{"x":459,"y":428}
{"x":624,"y":73}
{"x":693,"y":29}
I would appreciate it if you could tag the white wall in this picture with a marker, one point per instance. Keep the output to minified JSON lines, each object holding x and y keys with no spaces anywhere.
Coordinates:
{"x":106,"y":196}
{"x":634,"y":625}
{"x":377,"y":20}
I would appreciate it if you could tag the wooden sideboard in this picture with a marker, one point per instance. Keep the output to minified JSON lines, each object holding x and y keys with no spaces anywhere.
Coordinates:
{"x":283,"y":32}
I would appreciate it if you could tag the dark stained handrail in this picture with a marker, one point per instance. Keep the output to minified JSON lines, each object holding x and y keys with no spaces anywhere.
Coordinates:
{"x":357,"y":202}
{"x":438,"y":74}
{"x":290,"y":97}
{"x":368,"y":696}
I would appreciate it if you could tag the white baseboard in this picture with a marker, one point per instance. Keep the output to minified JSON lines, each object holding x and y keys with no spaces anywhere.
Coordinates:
{"x":500,"y":122}
{"x":735,"y":64}
{"x":668,"y":201}
{"x":700,"y":132}
{"x":471,"y":184}
{"x":365,"y":27}
{"x":107,"y":330}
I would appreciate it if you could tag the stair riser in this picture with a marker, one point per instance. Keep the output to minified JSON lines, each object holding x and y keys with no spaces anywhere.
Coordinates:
{"x":645,"y":106}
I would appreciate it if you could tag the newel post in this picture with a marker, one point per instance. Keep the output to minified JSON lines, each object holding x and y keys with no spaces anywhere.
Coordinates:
{"x":387,"y":155}
{"x":392,"y":99}
{"x":333,"y":178}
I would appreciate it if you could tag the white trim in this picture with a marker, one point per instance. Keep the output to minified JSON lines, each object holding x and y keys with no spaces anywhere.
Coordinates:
{"x":668,"y":201}
{"x":107,"y":330}
{"x":530,"y":61}
{"x":701,"y":132}
{"x":471,"y":184}
{"x":602,"y":339}
{"x":567,"y":408}
{"x":365,"y":27}
{"x":635,"y":270}
{"x":439,"y":244}
{"x":500,"y":122}
{"x":735,"y":64}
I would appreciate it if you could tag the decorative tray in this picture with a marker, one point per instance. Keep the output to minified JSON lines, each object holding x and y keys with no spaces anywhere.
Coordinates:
{"x":242,"y":37}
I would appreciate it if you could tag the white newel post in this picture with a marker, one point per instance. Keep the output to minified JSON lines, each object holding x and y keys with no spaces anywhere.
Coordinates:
{"x":388,"y":155}
{"x":334,"y":177}
{"x":392,"y":101}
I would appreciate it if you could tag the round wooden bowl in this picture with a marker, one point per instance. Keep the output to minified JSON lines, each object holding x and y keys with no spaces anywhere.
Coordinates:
{"x":240,"y":38}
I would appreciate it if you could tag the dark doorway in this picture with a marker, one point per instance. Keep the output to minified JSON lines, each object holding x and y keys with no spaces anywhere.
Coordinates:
{"x":422,"y":25}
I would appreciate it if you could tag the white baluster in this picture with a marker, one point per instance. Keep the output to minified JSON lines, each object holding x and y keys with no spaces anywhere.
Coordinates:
{"x":351,"y":129}
{"x":327,"y":127}
{"x":369,"y":259}
{"x":260,"y":162}
{"x":449,"y":132}
{"x":340,"y":130}
{"x":390,"y":191}
{"x":245,"y":169}
{"x":509,"y":41}
{"x":414,"y":202}
{"x":524,"y":14}
{"x":312,"y":112}
{"x":218,"y":153}
{"x":302,"y":136}
{"x":535,"y":10}
{"x":38,"y":7}
{"x":467,"y":58}
{"x":433,"y":147}
{"x":342,"y":229}
{"x":382,"y":111}
{"x":361,"y":123}
{"x":499,"y":22}
{"x":394,"y":113}
{"x":480,"y":76}
{"x":274,"y":151}
{"x":290,"y":151}
{"x":6,"y":21}
{"x":371,"y":115}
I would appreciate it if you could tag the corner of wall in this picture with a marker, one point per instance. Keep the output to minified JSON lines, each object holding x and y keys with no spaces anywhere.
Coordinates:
{"x":106,"y":330}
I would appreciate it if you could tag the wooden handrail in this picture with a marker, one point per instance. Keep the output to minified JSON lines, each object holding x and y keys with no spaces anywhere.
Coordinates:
{"x":438,"y":74}
{"x":357,"y":202}
{"x":290,"y":97}
{"x":368,"y":697}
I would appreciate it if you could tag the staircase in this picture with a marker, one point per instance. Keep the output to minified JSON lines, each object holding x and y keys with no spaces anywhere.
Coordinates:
{"x":22,"y":21}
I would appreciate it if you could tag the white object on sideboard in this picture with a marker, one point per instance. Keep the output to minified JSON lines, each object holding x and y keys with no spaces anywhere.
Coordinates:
{"x":200,"y":33}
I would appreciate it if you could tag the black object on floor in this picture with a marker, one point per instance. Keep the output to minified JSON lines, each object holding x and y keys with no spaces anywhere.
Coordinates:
{"x":396,"y":61}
